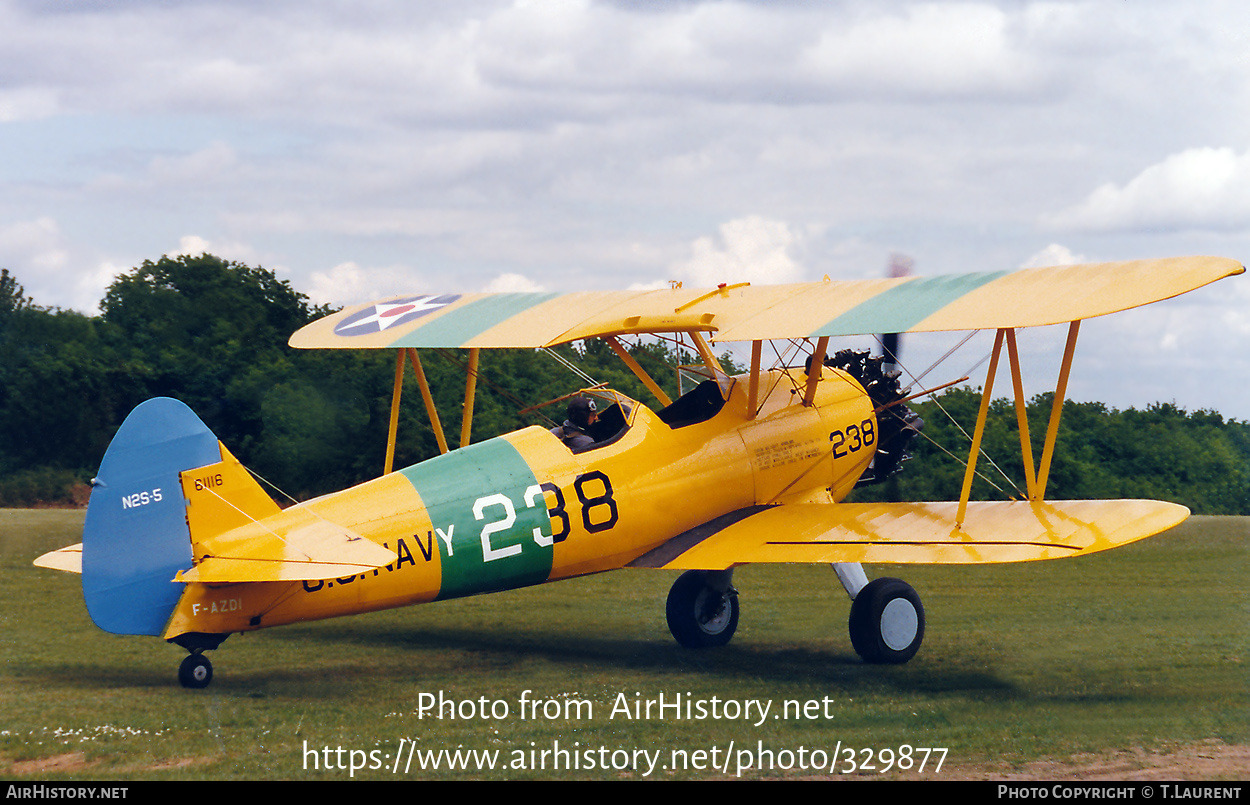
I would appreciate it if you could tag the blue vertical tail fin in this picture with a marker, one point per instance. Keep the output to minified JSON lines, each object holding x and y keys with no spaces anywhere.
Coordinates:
{"x":136,"y":536}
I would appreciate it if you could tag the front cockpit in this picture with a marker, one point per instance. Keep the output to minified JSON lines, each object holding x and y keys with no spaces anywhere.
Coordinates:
{"x":615,"y":412}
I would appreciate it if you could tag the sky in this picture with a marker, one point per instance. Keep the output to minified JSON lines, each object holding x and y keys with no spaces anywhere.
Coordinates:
{"x":367,"y":149}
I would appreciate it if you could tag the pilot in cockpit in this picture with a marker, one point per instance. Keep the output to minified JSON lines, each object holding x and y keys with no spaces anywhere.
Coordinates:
{"x":582,"y":414}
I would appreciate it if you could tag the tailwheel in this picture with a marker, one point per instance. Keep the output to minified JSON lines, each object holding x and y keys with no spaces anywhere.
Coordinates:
{"x":887,"y":622}
{"x":196,"y":671}
{"x":702,"y":609}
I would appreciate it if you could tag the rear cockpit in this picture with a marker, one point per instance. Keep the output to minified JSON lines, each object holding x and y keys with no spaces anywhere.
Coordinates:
{"x":614,"y":418}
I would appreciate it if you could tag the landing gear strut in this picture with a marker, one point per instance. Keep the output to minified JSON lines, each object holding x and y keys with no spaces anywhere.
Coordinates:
{"x":702,"y":608}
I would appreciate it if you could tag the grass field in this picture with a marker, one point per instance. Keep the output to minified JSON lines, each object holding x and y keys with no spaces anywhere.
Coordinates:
{"x":1138,"y":650}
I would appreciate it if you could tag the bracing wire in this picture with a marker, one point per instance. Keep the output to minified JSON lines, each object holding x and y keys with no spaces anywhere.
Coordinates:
{"x":493,"y":386}
{"x":567,"y":364}
{"x":915,"y":379}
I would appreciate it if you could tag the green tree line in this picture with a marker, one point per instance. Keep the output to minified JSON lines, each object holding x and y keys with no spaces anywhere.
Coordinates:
{"x":213,"y":333}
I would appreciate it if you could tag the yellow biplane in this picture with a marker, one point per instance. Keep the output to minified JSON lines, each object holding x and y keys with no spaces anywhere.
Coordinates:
{"x":181,"y":542}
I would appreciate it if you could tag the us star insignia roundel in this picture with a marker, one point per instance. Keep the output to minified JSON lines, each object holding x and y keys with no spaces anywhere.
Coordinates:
{"x":385,"y":315}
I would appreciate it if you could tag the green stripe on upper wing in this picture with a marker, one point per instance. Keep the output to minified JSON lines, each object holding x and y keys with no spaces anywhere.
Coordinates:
{"x":904,"y":306}
{"x":460,"y":326}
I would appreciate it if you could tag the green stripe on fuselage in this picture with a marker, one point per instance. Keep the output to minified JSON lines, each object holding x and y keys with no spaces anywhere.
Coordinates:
{"x":905,"y":305}
{"x":476,"y":499}
{"x":459,"y":327}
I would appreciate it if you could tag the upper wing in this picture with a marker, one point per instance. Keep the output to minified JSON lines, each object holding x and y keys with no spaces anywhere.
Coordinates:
{"x":1026,"y":298}
{"x":915,"y":533}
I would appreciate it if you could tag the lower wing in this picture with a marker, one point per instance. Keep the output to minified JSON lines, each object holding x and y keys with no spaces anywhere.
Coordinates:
{"x":914,"y":533}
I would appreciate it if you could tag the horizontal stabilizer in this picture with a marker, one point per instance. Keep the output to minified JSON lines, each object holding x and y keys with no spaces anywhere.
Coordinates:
{"x":917,"y":533}
{"x":68,"y":559}
{"x":296,"y":546}
{"x":241,"y":535}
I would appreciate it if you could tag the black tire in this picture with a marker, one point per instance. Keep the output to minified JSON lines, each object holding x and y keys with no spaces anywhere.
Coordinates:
{"x":887,"y":622}
{"x":698,"y":615}
{"x":195,"y":672}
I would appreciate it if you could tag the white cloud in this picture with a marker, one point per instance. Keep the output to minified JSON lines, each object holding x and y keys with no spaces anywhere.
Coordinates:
{"x":35,"y":245}
{"x":36,"y":254}
{"x":341,"y":285}
{"x":192,"y":245}
{"x":956,"y":49}
{"x":205,"y":165}
{"x":1053,"y":255}
{"x":1199,"y":188}
{"x":26,"y":103}
{"x":514,"y":62}
{"x":89,"y":285}
{"x":1235,"y":318}
{"x":170,"y":176}
{"x":734,"y":51}
{"x":349,"y":284}
{"x":512,"y":283}
{"x":751,"y":249}
{"x":653,"y":285}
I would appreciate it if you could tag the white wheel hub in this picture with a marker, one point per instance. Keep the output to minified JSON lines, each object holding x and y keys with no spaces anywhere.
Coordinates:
{"x":899,"y":623}
{"x":717,"y":623}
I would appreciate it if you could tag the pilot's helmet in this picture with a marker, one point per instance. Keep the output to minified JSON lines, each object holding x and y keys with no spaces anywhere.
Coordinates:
{"x":581,"y":409}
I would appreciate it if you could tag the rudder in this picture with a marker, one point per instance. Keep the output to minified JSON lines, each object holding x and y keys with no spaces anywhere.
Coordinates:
{"x":136,"y":536}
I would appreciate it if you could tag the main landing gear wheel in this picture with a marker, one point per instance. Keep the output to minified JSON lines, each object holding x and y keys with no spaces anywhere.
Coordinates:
{"x":195,"y":672}
{"x":699,"y":615}
{"x":887,"y":622}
